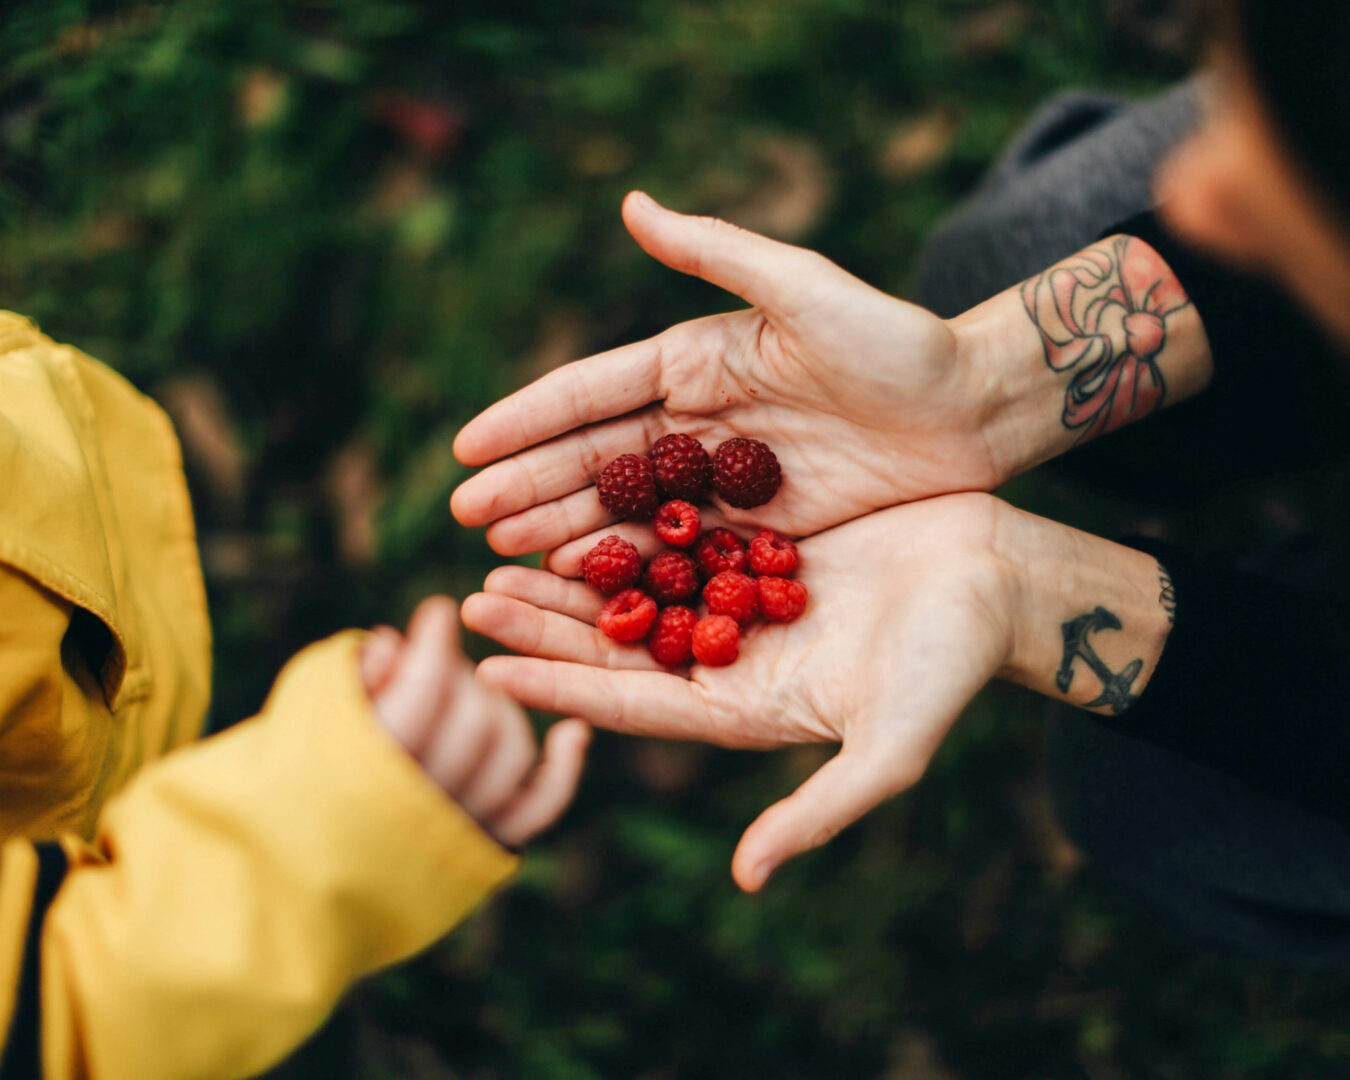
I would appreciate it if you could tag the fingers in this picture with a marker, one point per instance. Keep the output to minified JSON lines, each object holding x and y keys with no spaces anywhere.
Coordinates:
{"x":652,"y":703}
{"x":770,"y":275}
{"x":844,"y":789}
{"x":575,"y":395}
{"x":527,"y":629}
{"x":504,"y":767}
{"x":550,"y":471}
{"x":417,"y":691}
{"x":550,"y":525}
{"x":548,"y":791}
{"x":546,"y":590}
{"x":379,"y":658}
{"x":566,"y":558}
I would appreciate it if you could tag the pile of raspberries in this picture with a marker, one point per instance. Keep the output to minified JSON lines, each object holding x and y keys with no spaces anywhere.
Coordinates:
{"x":739,"y":583}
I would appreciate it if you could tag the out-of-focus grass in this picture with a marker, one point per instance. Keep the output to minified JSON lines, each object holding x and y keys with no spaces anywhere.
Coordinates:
{"x":326,"y":233}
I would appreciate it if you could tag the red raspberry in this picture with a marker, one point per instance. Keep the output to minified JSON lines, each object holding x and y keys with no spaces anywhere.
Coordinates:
{"x":611,"y":565}
{"x":772,"y":554}
{"x":730,"y":593}
{"x":671,"y":576}
{"x":627,"y":488}
{"x":719,"y":550}
{"x":781,"y":600}
{"x":677,"y":523}
{"x":628,"y":616}
{"x":672,"y":640}
{"x":683,"y":468}
{"x":717,"y":640}
{"x":746,"y":473}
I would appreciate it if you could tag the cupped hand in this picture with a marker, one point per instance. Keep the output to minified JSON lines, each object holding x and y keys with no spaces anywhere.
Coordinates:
{"x":863,"y":397}
{"x":908,"y":617}
{"x":469,"y":739}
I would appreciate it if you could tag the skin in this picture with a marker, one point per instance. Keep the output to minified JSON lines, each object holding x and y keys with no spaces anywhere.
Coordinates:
{"x":871,"y":402}
{"x":473,"y":742}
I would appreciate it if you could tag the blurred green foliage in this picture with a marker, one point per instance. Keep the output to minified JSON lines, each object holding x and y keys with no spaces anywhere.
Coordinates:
{"x":326,"y":232}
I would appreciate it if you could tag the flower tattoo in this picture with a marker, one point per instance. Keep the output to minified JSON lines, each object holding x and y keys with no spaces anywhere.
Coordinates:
{"x":1103,"y":316}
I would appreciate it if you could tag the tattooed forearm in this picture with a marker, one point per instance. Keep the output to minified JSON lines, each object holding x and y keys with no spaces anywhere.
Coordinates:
{"x":1103,"y":317}
{"x":1117,"y":694}
{"x":1168,"y":597}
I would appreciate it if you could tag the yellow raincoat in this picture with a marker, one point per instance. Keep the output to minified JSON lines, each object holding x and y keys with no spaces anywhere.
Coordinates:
{"x":169,"y":910}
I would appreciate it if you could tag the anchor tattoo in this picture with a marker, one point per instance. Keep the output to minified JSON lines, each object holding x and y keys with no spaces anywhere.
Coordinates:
{"x":1115,"y":693}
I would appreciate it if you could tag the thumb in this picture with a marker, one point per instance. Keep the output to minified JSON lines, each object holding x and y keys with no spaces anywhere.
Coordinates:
{"x":766,"y":273}
{"x":838,"y":794}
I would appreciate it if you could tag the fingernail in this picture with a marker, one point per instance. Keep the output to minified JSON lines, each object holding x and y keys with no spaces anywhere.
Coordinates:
{"x":643,"y":201}
{"x":762,"y":872}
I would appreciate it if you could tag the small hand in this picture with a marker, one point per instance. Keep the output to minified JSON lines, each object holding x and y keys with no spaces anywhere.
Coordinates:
{"x":863,"y":397}
{"x":907,"y":619}
{"x":473,"y":742}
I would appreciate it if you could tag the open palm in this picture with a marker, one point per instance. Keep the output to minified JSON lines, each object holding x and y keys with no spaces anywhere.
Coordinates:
{"x":859,"y":394}
{"x":906,"y":621}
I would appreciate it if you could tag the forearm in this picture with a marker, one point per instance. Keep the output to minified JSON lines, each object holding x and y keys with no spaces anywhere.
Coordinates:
{"x":1089,"y":618}
{"x":1096,"y":342}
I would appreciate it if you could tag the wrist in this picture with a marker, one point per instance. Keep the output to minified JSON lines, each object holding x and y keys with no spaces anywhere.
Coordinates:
{"x":1088,"y":617}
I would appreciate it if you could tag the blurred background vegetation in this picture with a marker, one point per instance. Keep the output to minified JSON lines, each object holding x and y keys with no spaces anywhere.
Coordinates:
{"x":326,"y":232}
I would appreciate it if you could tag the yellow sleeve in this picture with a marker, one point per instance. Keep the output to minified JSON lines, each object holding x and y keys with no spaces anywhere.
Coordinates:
{"x":236,"y":888}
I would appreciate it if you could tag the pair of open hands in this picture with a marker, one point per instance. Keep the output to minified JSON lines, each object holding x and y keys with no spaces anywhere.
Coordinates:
{"x":871,"y":411}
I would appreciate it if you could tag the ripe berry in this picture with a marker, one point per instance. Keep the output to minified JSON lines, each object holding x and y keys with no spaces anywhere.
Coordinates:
{"x":746,"y":473}
{"x":772,"y":554}
{"x":628,"y":616}
{"x":611,"y":565}
{"x":719,"y":550}
{"x":716,"y":640}
{"x":682,"y":467}
{"x":627,"y":488}
{"x":671,"y":576}
{"x":780,"y":599}
{"x":672,"y":640}
{"x":730,"y":593}
{"x":677,"y":523}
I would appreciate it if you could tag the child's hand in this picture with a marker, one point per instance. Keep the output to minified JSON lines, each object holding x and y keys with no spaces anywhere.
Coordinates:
{"x":469,"y":739}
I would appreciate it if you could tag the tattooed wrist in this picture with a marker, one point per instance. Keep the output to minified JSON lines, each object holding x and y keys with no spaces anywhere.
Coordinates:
{"x":1104,"y":317}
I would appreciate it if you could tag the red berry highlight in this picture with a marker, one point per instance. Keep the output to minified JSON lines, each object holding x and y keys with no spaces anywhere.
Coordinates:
{"x":781,"y":600}
{"x":671,"y":576}
{"x":746,"y":473}
{"x":716,"y":640}
{"x":682,"y":467}
{"x":772,"y":554}
{"x":627,"y":488}
{"x":677,"y":522}
{"x":628,"y":616}
{"x":672,"y":639}
{"x":719,"y":550}
{"x":733,"y":594}
{"x":611,"y":565}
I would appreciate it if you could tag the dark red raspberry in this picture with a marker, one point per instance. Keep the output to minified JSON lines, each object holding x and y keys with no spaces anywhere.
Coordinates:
{"x":772,"y":554}
{"x":627,"y":488}
{"x":730,"y":593}
{"x":746,"y":472}
{"x":780,"y":599}
{"x":677,"y":523}
{"x":611,"y":565}
{"x":719,"y":550}
{"x":672,"y":640}
{"x":671,"y":576}
{"x":717,"y":640}
{"x":628,"y":616}
{"x":683,"y":468}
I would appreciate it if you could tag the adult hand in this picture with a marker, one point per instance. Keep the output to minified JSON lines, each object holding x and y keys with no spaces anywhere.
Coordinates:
{"x":911,"y":611}
{"x":863,"y":397}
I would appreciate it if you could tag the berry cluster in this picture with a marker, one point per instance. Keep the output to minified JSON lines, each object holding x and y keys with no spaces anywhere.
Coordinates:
{"x":739,"y":584}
